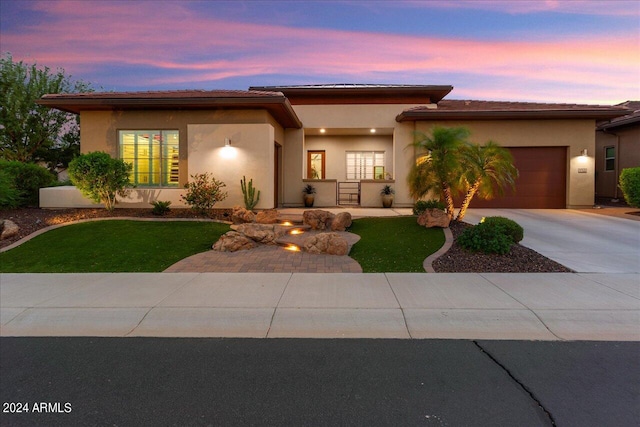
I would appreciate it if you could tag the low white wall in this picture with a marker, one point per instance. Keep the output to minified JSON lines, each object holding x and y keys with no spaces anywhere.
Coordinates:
{"x":370,"y":192}
{"x":71,"y":197}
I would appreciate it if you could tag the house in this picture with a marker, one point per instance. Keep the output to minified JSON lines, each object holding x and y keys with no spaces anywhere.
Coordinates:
{"x":617,"y":148}
{"x":348,"y":140}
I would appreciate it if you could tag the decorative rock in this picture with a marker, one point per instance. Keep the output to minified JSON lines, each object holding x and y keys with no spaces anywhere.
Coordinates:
{"x":327,"y":243}
{"x":240,"y":215}
{"x":261,"y":233}
{"x":341,"y":221}
{"x":8,"y":229}
{"x":269,"y":216}
{"x":434,"y":218}
{"x":317,"y":219}
{"x":233,"y":241}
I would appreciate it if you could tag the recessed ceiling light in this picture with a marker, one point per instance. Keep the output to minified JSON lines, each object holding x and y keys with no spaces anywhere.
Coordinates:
{"x":323,"y":130}
{"x":372,"y":131}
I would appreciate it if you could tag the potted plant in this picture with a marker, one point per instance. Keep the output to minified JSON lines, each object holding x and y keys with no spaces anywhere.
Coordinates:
{"x":308,"y":194}
{"x":387,"y":196}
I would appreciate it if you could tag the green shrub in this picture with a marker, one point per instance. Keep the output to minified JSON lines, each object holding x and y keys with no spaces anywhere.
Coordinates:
{"x":485,"y":238}
{"x":9,"y":197}
{"x":508,"y":226}
{"x":100,"y":177}
{"x":630,"y":186}
{"x":27,"y":179}
{"x":203,"y":192}
{"x":160,"y":208}
{"x":422,"y":205}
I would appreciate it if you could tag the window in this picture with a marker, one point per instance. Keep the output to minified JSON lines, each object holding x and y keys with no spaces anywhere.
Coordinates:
{"x":362,"y":164}
{"x":153,"y":154}
{"x":315,"y":164}
{"x":609,"y":158}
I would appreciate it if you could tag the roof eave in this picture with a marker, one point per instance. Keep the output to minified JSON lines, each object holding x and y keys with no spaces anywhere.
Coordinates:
{"x":507,"y":115}
{"x":279,"y":106}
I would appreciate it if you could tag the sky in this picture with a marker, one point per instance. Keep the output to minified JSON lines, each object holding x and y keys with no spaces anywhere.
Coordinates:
{"x":572,"y":51}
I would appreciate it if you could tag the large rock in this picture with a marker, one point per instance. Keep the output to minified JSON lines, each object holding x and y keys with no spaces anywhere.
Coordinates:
{"x":434,"y":218}
{"x":326,"y":243}
{"x":261,"y":233}
{"x":233,"y":241}
{"x":240,"y":215}
{"x":8,"y":229}
{"x":269,"y":216}
{"x":341,"y":221}
{"x":317,"y":219}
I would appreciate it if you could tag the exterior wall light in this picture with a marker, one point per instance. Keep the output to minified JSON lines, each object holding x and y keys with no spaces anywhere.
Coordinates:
{"x":584,"y":153}
{"x":228,"y":152}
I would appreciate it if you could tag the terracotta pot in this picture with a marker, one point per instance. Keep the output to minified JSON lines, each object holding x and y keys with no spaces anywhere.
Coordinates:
{"x":387,"y":200}
{"x":308,"y":200}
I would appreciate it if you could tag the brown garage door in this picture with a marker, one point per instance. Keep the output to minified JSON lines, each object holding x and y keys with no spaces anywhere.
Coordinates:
{"x":541,"y":184}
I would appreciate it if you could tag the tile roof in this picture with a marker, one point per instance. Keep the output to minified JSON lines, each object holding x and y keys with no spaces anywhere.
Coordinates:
{"x":168,"y":94}
{"x":474,"y":109}
{"x":631,"y":118}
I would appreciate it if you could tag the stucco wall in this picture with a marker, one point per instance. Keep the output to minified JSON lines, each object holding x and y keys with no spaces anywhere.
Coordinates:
{"x":573,"y":134}
{"x":251,"y":154}
{"x":99,"y":130}
{"x":626,"y":141}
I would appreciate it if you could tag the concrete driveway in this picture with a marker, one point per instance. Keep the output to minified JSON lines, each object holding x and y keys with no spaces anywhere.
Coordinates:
{"x":584,"y":242}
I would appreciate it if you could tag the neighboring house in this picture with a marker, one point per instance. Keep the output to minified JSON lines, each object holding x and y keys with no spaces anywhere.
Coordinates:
{"x":617,"y":148}
{"x":347,"y":140}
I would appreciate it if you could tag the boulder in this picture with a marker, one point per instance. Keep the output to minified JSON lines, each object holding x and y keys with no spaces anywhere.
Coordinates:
{"x":269,"y":216}
{"x":8,"y":229}
{"x":434,"y":218}
{"x":341,"y":221}
{"x":317,"y":219}
{"x":261,"y":233}
{"x":233,"y":241}
{"x":240,"y":215}
{"x":326,"y":243}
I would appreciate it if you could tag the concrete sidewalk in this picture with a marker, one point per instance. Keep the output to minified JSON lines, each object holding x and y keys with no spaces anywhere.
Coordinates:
{"x":544,"y":306}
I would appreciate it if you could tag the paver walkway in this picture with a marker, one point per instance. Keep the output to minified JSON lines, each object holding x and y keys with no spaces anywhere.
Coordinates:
{"x":266,"y":259}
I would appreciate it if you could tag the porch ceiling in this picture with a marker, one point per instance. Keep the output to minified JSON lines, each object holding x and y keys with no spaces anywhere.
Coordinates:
{"x":347,"y":131}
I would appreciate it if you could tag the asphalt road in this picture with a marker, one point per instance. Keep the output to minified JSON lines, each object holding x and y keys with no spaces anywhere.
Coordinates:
{"x":280,"y":382}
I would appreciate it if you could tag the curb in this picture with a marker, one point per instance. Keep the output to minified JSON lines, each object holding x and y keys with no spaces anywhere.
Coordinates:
{"x":448,"y":242}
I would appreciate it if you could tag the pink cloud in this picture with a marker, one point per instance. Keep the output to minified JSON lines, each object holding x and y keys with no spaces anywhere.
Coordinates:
{"x":190,"y":48}
{"x":583,"y":7}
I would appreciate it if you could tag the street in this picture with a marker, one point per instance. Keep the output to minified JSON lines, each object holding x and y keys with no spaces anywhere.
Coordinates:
{"x":151,"y":381}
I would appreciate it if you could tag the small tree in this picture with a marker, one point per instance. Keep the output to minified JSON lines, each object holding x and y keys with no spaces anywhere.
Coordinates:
{"x":438,"y":165}
{"x":486,"y":171}
{"x":203,"y":192}
{"x":32,"y":132}
{"x":630,"y":186}
{"x":100,"y":177}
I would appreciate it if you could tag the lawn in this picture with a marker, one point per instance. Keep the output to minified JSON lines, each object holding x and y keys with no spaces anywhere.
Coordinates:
{"x":395,"y":244}
{"x":112,"y":246}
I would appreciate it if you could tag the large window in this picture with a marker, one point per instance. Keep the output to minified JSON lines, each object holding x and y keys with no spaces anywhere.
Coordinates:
{"x":362,"y":164}
{"x":153,"y":154}
{"x":609,"y":158}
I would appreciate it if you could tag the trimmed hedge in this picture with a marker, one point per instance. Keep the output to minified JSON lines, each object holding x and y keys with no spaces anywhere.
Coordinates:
{"x":422,"y":205}
{"x":630,"y":186}
{"x":509,"y":226}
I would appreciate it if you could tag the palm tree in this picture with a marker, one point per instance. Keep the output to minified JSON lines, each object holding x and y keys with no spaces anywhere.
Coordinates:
{"x":438,"y":164}
{"x":487,"y":170}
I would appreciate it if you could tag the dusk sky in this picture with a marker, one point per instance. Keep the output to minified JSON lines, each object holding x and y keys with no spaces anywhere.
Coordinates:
{"x":550,"y":51}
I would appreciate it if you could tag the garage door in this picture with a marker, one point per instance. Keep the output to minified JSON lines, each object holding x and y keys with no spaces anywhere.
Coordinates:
{"x":541,"y":184}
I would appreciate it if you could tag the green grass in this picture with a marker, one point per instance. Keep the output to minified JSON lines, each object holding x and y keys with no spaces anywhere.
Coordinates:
{"x":395,"y":244}
{"x":111,"y":246}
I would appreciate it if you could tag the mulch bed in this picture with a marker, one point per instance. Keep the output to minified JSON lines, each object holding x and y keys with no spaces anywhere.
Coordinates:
{"x":518,"y":260}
